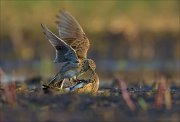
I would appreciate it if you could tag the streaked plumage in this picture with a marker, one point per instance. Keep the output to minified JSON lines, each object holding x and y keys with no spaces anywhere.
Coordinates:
{"x":70,"y":71}
{"x":72,"y":33}
{"x":71,"y":47}
{"x":91,"y":85}
{"x":86,"y":83}
{"x":64,"y":52}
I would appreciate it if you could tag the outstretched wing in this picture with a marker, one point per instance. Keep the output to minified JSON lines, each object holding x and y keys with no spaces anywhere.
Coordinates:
{"x":72,"y":33}
{"x":61,"y":47}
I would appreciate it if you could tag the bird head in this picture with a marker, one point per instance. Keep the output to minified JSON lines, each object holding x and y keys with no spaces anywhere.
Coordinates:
{"x":89,"y":64}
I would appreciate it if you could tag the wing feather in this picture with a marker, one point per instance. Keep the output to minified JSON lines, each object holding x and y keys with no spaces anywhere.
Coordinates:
{"x":60,"y":46}
{"x":72,"y":33}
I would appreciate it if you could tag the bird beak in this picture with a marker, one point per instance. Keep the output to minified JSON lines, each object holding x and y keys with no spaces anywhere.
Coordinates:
{"x":76,"y":61}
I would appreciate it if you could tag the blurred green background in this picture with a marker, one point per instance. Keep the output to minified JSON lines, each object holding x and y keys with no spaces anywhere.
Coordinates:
{"x":139,"y":40}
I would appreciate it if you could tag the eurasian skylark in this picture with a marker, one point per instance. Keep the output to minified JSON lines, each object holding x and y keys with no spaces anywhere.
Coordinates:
{"x":71,"y":47}
{"x":87,"y":83}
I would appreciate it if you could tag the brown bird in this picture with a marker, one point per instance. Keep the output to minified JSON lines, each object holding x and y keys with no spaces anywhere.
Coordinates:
{"x":87,"y":83}
{"x":72,"y":33}
{"x":71,"y":47}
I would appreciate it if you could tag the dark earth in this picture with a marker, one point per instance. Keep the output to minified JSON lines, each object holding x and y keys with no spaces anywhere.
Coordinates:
{"x":26,"y":101}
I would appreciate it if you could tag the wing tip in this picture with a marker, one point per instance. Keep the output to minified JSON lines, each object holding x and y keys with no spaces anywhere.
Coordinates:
{"x":42,"y":25}
{"x":44,"y":28}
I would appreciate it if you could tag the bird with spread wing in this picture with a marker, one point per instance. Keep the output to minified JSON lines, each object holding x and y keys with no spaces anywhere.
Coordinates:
{"x":71,"y":47}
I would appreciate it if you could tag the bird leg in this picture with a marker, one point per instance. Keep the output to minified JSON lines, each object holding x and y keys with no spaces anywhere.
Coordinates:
{"x":59,"y":84}
{"x":74,"y":78}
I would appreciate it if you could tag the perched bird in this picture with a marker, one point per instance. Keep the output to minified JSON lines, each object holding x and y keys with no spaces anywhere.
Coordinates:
{"x":71,"y":47}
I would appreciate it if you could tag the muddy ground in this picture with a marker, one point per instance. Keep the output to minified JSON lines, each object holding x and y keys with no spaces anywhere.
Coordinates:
{"x":26,"y":101}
